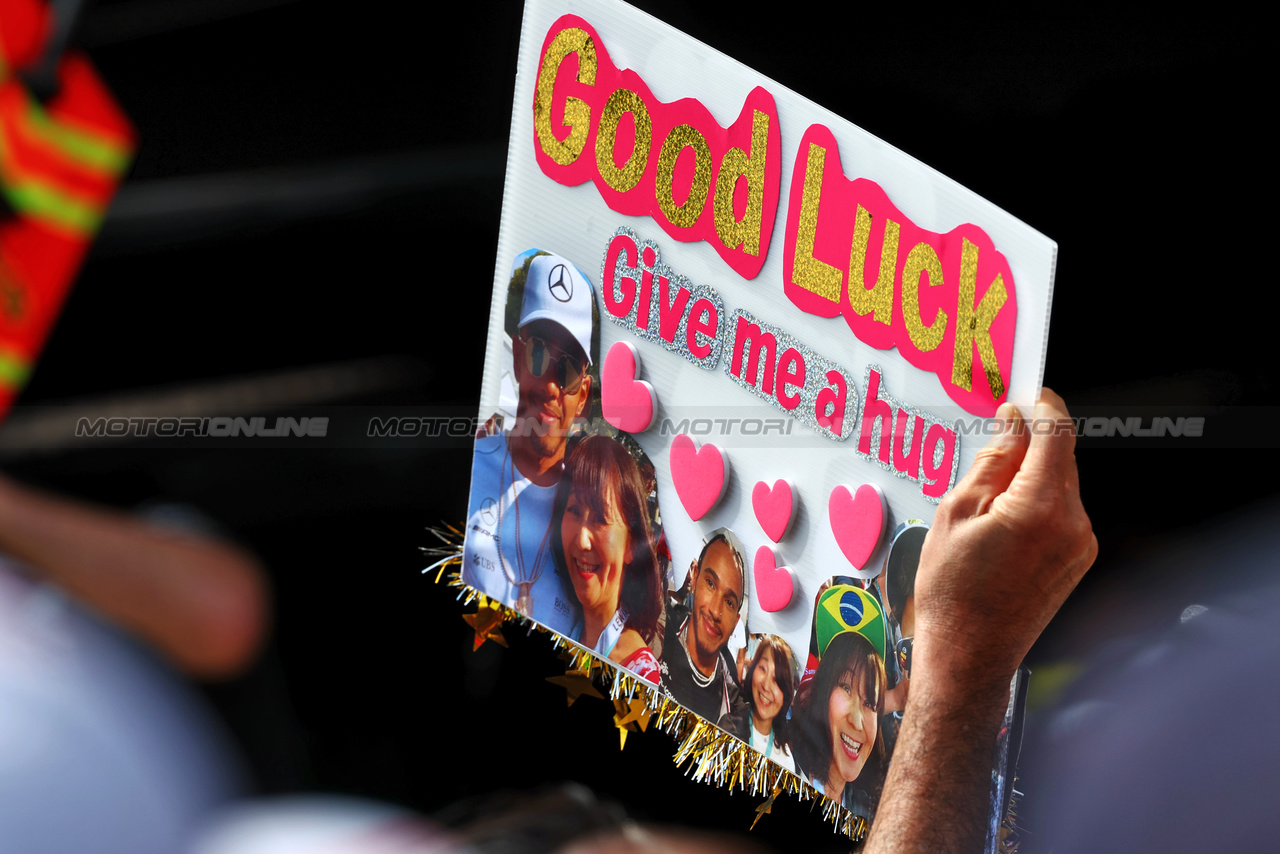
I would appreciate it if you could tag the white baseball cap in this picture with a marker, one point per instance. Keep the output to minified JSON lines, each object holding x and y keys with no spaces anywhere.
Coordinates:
{"x":556,"y":291}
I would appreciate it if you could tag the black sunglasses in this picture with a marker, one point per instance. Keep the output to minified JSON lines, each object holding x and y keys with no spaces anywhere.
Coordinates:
{"x":540,"y":354}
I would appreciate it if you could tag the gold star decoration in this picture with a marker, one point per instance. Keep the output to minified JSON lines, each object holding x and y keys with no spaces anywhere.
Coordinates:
{"x":576,"y":683}
{"x":631,"y":715}
{"x":577,"y":680}
{"x":764,"y":809}
{"x":487,"y":623}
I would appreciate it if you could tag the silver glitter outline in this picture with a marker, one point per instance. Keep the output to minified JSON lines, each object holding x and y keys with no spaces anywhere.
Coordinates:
{"x":805,"y":412}
{"x":659,"y":269}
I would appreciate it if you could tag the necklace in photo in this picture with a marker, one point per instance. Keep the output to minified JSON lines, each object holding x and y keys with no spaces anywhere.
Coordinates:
{"x":525,"y":574}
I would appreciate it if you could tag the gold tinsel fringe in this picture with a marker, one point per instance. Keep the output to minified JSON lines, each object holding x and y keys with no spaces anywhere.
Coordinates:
{"x":449,"y":554}
{"x":1009,"y":839}
{"x":708,"y":753}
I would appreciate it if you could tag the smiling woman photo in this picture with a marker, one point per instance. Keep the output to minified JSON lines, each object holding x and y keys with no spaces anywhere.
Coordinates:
{"x":839,"y":748}
{"x":604,"y":546}
{"x":763,"y":723}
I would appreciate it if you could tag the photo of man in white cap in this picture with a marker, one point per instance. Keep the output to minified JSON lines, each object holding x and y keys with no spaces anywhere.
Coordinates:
{"x":507,"y":555}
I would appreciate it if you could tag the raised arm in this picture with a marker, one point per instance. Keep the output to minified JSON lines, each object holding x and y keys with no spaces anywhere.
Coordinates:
{"x":200,"y":602}
{"x":1007,"y":546}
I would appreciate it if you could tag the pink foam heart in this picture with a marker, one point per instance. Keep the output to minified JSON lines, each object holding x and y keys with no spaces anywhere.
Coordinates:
{"x":774,"y":585}
{"x":626,"y":402}
{"x":857,"y":520}
{"x":775,"y":508}
{"x":700,"y":475}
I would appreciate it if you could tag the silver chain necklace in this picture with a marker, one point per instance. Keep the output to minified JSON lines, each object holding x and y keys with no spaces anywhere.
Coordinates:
{"x":698,"y":679}
{"x":525,"y":577}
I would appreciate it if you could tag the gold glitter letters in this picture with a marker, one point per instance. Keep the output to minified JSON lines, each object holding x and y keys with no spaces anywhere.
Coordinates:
{"x":673,"y":161}
{"x":936,"y":325}
{"x":684,"y":215}
{"x":737,"y":165}
{"x":577,"y":114}
{"x":922,"y":259}
{"x":810,"y":273}
{"x":621,"y":102}
{"x":879,"y":300}
{"x":973,"y":324}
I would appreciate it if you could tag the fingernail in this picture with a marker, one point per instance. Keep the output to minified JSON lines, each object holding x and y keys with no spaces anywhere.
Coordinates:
{"x":1006,"y":421}
{"x":1005,"y":416}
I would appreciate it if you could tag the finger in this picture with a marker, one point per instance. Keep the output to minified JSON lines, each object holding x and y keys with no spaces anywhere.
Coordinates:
{"x":1073,"y":477}
{"x":1051,"y":455}
{"x":1091,"y":555}
{"x":995,"y":465}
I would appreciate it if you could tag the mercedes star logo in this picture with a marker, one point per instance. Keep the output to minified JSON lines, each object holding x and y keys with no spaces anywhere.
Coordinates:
{"x":560,"y":283}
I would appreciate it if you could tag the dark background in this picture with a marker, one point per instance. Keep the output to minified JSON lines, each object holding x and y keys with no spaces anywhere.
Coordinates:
{"x":319,"y":184}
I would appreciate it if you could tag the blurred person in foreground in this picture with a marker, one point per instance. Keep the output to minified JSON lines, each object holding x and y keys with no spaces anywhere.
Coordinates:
{"x":1168,"y":740}
{"x":101,"y":748}
{"x":199,"y":601}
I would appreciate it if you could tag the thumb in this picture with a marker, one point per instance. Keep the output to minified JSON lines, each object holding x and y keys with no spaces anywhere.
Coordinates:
{"x":995,"y":465}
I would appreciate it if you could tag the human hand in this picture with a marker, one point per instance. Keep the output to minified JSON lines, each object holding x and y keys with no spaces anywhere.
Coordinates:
{"x":1007,"y":546}
{"x":682,"y":595}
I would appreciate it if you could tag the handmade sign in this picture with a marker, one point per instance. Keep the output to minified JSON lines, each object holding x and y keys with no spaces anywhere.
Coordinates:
{"x":738,"y":351}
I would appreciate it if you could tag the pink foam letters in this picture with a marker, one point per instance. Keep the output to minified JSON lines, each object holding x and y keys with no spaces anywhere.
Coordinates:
{"x":775,"y":585}
{"x":857,"y":520}
{"x":626,"y":402}
{"x":911,"y":444}
{"x":700,"y":475}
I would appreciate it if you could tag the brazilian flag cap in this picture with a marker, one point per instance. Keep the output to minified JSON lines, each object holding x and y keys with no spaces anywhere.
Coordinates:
{"x":843,"y":608}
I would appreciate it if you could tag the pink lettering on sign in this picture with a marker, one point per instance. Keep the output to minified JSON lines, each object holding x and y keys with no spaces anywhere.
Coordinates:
{"x":769,"y":363}
{"x":913,"y":445}
{"x":946,"y":301}
{"x":670,"y":161}
{"x":646,"y":296}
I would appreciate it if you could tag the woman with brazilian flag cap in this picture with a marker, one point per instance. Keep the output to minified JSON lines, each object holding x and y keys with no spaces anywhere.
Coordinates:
{"x":837,"y":712}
